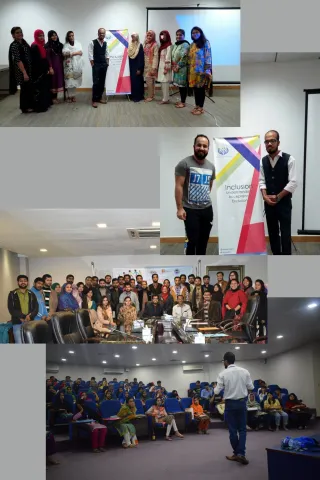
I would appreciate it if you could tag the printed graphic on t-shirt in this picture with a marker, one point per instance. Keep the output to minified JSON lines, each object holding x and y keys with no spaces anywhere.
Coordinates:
{"x":199,"y":186}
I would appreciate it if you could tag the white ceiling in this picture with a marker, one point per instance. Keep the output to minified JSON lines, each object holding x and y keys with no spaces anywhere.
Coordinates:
{"x":67,"y":233}
{"x":263,"y":57}
{"x":289,"y":317}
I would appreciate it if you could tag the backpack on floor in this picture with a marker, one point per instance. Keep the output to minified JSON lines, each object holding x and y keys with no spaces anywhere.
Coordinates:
{"x":300,"y":444}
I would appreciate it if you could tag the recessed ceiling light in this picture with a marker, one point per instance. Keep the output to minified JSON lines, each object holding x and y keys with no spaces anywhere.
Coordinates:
{"x":43,"y":250}
{"x":279,"y":336}
{"x":156,"y":224}
{"x":101,"y":225}
{"x":183,"y":361}
{"x":117,"y":356}
{"x":153,"y":246}
{"x":207,"y":355}
{"x":264,"y":351}
{"x":71,"y":351}
{"x":63,"y":359}
{"x":137,"y":364}
{"x":174,"y":351}
{"x":237,"y":348}
{"x":312,"y":305}
{"x":154,"y":359}
{"x":103,"y":361}
{"x":134,"y":347}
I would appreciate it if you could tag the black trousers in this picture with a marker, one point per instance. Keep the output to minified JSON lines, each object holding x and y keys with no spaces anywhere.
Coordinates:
{"x":99,"y":73}
{"x":183,"y":94}
{"x":279,"y":226}
{"x":199,"y":95}
{"x":26,"y":96}
{"x":198,"y":226}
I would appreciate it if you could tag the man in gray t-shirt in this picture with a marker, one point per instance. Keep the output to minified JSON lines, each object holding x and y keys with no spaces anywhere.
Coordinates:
{"x":194,"y":179}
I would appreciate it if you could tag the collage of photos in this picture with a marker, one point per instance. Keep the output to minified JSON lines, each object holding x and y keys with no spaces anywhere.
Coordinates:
{"x":170,"y":288}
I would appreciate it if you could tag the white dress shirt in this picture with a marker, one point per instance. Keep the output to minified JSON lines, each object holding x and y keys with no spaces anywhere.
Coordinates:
{"x":101,"y":43}
{"x":183,"y":311}
{"x":292,"y":171}
{"x":235,"y":381}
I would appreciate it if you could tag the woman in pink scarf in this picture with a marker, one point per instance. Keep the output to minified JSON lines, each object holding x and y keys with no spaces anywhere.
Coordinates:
{"x":40,"y":73}
{"x":151,"y":63}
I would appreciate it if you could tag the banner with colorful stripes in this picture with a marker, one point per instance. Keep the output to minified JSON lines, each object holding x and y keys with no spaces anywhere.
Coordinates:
{"x":240,"y":218}
{"x":118,"y":75}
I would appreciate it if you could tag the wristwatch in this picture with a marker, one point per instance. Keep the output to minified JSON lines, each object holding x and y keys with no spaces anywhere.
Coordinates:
{"x":278,"y":198}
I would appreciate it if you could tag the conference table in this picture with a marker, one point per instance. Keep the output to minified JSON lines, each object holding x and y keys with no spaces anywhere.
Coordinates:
{"x":289,"y":465}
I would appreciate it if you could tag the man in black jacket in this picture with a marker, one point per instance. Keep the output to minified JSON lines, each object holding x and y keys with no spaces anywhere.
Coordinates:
{"x":154,"y":308}
{"x":155,"y":286}
{"x":115,"y":293}
{"x":22,"y":305}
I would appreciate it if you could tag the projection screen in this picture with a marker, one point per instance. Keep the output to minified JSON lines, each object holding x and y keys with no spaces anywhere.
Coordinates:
{"x":311,"y":190}
{"x":220,"y":25}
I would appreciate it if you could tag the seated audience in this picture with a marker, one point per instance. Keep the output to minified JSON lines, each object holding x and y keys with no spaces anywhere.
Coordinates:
{"x":153,"y":308}
{"x":181,"y":309}
{"x":127,"y":315}
{"x":278,"y":395}
{"x":167,"y":300}
{"x":97,"y":431}
{"x":174,"y":394}
{"x":262,"y":393}
{"x":158,"y":412}
{"x":144,"y":397}
{"x":124,"y":426}
{"x":299,"y":414}
{"x":51,"y":449}
{"x":273,"y":407}
{"x":255,"y":417}
{"x":59,"y":409}
{"x":108,"y":395}
{"x":200,"y":417}
{"x":206,"y":395}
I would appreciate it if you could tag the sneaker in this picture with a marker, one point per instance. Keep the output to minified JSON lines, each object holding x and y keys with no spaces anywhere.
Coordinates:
{"x":242,"y":459}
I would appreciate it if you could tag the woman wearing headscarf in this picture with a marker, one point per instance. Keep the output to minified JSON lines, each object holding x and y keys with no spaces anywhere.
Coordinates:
{"x":180,"y":52}
{"x":41,"y":73}
{"x":151,"y":63}
{"x":161,"y":416}
{"x":164,"y":70}
{"x":217,"y":294}
{"x":127,"y":315}
{"x":167,"y":300}
{"x":54,"y":54}
{"x":136,"y":64}
{"x":54,"y":298}
{"x":200,"y":417}
{"x":247,"y":286}
{"x":20,"y":70}
{"x":200,"y":68}
{"x":124,"y":426}
{"x":298,"y":412}
{"x":262,"y":313}
{"x":255,"y":417}
{"x":66,"y":301}
{"x":72,"y":65}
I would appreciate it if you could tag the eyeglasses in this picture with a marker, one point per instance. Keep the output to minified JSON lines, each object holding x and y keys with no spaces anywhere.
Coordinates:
{"x":273,"y":140}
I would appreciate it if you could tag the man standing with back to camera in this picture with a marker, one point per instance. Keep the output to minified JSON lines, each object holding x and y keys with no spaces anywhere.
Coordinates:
{"x":278,"y":181}
{"x":193,"y":185}
{"x":236,"y":383}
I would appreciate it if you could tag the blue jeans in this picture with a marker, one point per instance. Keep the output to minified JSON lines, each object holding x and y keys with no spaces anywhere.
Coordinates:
{"x":236,"y":418}
{"x":17,"y":333}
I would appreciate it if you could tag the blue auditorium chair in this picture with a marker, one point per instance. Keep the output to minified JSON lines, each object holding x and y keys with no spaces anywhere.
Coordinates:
{"x":173,"y":406}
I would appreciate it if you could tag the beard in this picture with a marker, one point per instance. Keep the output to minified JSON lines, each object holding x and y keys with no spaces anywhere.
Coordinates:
{"x":200,"y":155}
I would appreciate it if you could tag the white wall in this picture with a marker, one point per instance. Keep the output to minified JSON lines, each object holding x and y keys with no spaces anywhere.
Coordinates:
{"x":9,"y":270}
{"x":83,"y":17}
{"x":80,"y":267}
{"x":272,"y":97}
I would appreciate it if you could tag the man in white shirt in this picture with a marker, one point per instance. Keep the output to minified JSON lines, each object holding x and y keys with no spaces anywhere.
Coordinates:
{"x":236,"y":382}
{"x":181,"y":309}
{"x":278,"y":181}
{"x":128,"y":293}
{"x":99,"y":60}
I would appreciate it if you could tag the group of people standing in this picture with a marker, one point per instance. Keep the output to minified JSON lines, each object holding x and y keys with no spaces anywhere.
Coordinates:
{"x":45,"y":69}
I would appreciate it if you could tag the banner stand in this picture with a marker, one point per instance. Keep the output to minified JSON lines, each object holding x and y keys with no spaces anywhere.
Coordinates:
{"x":113,"y":96}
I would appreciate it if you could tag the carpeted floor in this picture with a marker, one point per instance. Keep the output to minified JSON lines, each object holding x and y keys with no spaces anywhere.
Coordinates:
{"x":196,"y":456}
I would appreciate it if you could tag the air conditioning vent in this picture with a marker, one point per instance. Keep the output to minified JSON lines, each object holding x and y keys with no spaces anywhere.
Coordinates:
{"x":113,"y":371}
{"x":52,"y":369}
{"x":192,"y":368}
{"x":143,"y":233}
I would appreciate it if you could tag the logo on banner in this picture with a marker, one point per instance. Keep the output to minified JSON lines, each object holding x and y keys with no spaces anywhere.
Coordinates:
{"x":223,"y":150}
{"x":108,"y":36}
